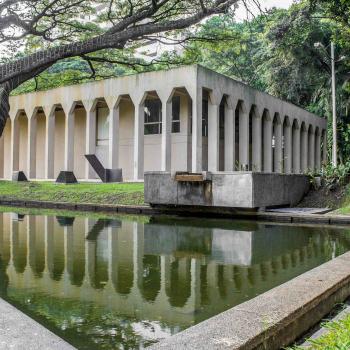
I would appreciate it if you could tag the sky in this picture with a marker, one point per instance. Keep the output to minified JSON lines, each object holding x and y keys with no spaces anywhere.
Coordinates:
{"x":241,"y":13}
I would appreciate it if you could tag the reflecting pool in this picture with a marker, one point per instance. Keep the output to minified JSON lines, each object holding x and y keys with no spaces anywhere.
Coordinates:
{"x":127,"y":282}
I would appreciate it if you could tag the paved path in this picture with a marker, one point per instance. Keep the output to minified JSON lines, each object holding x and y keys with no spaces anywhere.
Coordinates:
{"x":20,"y":332}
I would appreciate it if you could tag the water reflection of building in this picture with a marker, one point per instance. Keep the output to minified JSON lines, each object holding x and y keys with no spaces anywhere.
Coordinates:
{"x":177,"y":273}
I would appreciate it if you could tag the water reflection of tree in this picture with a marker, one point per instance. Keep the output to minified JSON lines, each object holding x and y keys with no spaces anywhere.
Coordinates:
{"x":84,"y":324}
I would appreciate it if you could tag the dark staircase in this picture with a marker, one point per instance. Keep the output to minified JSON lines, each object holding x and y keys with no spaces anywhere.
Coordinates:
{"x":106,"y":175}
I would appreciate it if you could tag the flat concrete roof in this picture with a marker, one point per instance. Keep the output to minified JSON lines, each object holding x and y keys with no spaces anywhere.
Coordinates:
{"x":18,"y":331}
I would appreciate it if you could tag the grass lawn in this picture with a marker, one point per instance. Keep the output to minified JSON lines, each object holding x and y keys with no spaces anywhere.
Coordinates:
{"x":337,"y":337}
{"x":97,"y":193}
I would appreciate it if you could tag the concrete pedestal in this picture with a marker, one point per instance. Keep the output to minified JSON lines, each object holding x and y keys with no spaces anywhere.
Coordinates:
{"x":19,"y":176}
{"x":225,"y":189}
{"x":66,"y":177}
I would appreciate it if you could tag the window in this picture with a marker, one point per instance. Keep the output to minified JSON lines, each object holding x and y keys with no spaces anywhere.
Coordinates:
{"x":102,"y":126}
{"x":175,"y":126}
{"x":153,"y":117}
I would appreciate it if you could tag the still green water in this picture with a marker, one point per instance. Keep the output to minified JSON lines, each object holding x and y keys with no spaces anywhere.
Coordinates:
{"x":126,"y":282}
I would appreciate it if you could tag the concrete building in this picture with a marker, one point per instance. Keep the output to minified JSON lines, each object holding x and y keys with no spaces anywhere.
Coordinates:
{"x":184,"y":119}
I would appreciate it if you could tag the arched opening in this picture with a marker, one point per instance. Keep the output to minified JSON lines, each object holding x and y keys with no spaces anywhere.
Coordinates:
{"x":304,"y":147}
{"x":181,"y":120}
{"x":277,"y":144}
{"x":254,"y":139}
{"x":151,"y":277}
{"x":239,"y":162}
{"x":266,"y":137}
{"x":101,"y":113}
{"x":20,"y":142}
{"x":77,"y":251}
{"x":36,"y":242}
{"x":296,"y":147}
{"x":101,"y":271}
{"x":222,"y":116}
{"x":324,"y":147}
{"x":252,"y":161}
{"x":79,"y":148}
{"x":179,"y":288}
{"x":123,"y":257}
{"x":19,"y":245}
{"x":152,"y":130}
{"x":55,"y":249}
{"x":205,"y":114}
{"x":39,"y":135}
{"x":59,"y":131}
{"x":287,"y":146}
{"x":222,"y":281}
{"x":317,"y":149}
{"x":126,"y":138}
{"x":311,"y":148}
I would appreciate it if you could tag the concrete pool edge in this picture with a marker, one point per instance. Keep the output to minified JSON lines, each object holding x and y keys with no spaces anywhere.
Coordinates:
{"x":322,"y":219}
{"x":19,"y":331}
{"x":273,"y":319}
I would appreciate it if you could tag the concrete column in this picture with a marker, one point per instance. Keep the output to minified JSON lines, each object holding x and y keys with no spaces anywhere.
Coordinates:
{"x":267,"y":145}
{"x":318,"y":151}
{"x":256,"y":142}
{"x":278,"y":148}
{"x":31,"y":158}
{"x":113,"y":154}
{"x":166,"y":134}
{"x":139,"y":140}
{"x":90,"y":136}
{"x":188,"y":132}
{"x":296,"y":150}
{"x":243,"y":139}
{"x":311,"y":149}
{"x":213,"y":137}
{"x":49,"y":142}
{"x":69,"y":139}
{"x":304,"y":150}
{"x":15,"y":144}
{"x":229,"y":139}
{"x":197,"y":131}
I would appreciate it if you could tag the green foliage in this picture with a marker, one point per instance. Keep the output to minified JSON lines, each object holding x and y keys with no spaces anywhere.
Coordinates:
{"x":337,"y":337}
{"x":336,"y":175}
{"x":276,"y":53}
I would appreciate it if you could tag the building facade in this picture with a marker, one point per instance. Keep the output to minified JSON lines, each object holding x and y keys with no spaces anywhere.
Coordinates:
{"x":183,"y":119}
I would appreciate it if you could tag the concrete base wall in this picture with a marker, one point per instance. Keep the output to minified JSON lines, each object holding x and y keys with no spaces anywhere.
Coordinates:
{"x":226,"y":189}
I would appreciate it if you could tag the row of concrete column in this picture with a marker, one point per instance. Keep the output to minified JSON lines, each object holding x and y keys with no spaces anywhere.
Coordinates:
{"x":268,"y":143}
{"x":266,"y":140}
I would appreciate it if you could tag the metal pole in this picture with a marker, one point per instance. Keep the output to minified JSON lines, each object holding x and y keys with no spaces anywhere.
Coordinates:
{"x":334,"y":148}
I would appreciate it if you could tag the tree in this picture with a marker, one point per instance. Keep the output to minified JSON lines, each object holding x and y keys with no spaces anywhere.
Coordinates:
{"x":55,"y":26}
{"x":276,"y":53}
